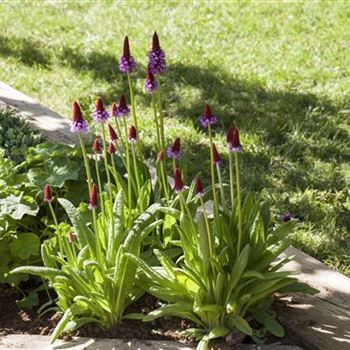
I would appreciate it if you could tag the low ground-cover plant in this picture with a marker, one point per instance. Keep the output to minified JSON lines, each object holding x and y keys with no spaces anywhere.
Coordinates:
{"x":16,"y":136}
{"x":25,"y":220}
{"x":216,"y":266}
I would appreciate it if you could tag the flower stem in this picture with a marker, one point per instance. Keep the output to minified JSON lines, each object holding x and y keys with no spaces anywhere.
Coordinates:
{"x":97,"y":238}
{"x":239,"y":205}
{"x":161,"y":119}
{"x":53,"y":214}
{"x":137,"y":175}
{"x":154,"y":105}
{"x":100,"y":189}
{"x":106,"y":163}
{"x":223,"y":199}
{"x":162,"y":135}
{"x":119,"y":130}
{"x":86,"y":162}
{"x":132,"y":101}
{"x":210,"y":243}
{"x":128,"y":163}
{"x":232,"y":181}
{"x":216,"y":206}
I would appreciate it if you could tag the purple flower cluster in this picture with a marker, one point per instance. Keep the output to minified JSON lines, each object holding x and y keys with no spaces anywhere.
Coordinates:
{"x":121,"y":110}
{"x":150,"y":84}
{"x":208,"y":118}
{"x":99,"y":114}
{"x":156,"y":56}
{"x":79,"y":125}
{"x":127,"y":63}
{"x":175,"y":151}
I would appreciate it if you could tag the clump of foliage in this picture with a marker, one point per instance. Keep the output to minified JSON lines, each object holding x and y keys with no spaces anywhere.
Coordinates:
{"x":216,"y":266}
{"x":16,"y":136}
{"x":24,"y":218}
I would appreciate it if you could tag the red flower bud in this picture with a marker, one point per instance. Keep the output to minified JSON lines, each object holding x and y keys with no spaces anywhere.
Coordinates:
{"x":207,"y":111}
{"x":161,"y":156}
{"x":126,"y":50}
{"x":122,"y":102}
{"x":132,"y":134}
{"x":229,"y":134}
{"x":111,"y":148}
{"x":235,"y":144}
{"x":176,"y":147}
{"x":72,"y":237}
{"x":96,"y":146}
{"x":155,"y":42}
{"x":235,"y":140}
{"x":216,"y":156}
{"x":178,"y":186}
{"x":76,"y":115}
{"x":114,"y":109}
{"x":93,"y":203}
{"x":112,"y":134}
{"x":48,"y":194}
{"x":99,"y":104}
{"x":198,"y":186}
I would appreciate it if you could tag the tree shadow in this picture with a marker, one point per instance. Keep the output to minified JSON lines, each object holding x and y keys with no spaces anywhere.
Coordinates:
{"x":27,"y":51}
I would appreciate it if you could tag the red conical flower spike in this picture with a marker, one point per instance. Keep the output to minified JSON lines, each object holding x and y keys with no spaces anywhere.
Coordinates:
{"x":229,"y":134}
{"x":155,"y":42}
{"x":112,"y":134}
{"x":48,"y":194}
{"x":176,"y":145}
{"x":93,"y":203}
{"x":111,"y":148}
{"x":126,"y":50}
{"x":122,"y":102}
{"x":216,"y":156}
{"x":76,"y":115}
{"x":178,"y":186}
{"x":96,"y":146}
{"x":132,"y":137}
{"x":99,"y":104}
{"x":114,"y":109}
{"x":199,"y":186}
{"x":207,"y":111}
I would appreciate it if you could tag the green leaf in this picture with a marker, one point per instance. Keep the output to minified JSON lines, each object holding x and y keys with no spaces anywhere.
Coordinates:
{"x":55,"y":175}
{"x":47,"y":272}
{"x":29,"y":301}
{"x":269,"y":322}
{"x":25,"y":246}
{"x":18,"y":206}
{"x":241,"y":324}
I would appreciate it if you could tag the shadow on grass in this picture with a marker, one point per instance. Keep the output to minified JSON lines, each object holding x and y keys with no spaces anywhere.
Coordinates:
{"x":27,"y":51}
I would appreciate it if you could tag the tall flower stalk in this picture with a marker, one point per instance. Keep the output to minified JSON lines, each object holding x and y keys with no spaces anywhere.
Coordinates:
{"x":207,"y":120}
{"x":132,"y":138}
{"x":236,"y":148}
{"x":48,"y":199}
{"x":100,"y":115}
{"x":79,"y":126}
{"x":96,"y":147}
{"x":217,"y":161}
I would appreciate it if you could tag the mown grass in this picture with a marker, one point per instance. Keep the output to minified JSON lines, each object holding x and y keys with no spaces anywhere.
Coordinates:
{"x":280,"y":71}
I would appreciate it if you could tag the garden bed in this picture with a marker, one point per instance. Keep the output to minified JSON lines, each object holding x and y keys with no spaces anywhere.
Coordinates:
{"x":21,"y":321}
{"x":17,"y":321}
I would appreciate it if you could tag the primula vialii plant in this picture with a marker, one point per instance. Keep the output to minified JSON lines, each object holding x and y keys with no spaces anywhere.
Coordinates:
{"x":207,"y":254}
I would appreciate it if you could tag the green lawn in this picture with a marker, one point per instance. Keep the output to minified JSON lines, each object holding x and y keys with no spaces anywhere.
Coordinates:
{"x":281,"y":71}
